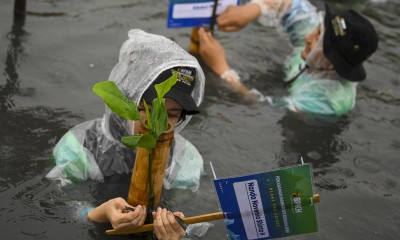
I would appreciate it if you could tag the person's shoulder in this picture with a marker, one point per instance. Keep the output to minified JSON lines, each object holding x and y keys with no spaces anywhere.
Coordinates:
{"x":72,"y":141}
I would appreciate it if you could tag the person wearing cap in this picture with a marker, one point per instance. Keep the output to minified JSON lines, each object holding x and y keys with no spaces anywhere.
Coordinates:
{"x":93,"y":150}
{"x":329,"y":49}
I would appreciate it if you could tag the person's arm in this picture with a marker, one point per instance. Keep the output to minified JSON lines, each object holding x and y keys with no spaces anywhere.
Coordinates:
{"x":235,"y":18}
{"x":112,"y":211}
{"x":187,"y":166}
{"x":269,"y":13}
{"x":213,"y":54}
{"x":165,"y":225}
{"x":74,"y":163}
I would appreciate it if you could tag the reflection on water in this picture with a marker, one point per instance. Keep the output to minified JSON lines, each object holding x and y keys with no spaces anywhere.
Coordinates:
{"x":14,"y":54}
{"x":26,"y":135}
{"x":316,"y":140}
{"x":30,"y":204}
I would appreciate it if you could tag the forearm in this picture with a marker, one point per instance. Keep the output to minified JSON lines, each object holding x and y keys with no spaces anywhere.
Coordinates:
{"x":98,"y":214}
{"x":233,"y":79}
{"x":272,"y":11}
{"x":273,"y":5}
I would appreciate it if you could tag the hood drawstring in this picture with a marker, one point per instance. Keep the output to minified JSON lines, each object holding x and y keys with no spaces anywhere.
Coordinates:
{"x":301,"y":70}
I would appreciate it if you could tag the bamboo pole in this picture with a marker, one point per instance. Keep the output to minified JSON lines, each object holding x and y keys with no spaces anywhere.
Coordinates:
{"x":189,"y":220}
{"x":139,"y":190}
{"x":194,"y":42}
{"x":316,"y":198}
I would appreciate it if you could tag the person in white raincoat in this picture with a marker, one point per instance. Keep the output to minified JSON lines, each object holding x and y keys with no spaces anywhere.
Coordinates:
{"x":326,"y":65}
{"x":93,"y":150}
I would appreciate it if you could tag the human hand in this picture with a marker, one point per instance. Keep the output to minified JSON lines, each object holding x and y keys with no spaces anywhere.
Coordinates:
{"x":212,"y":53}
{"x":165,"y":225}
{"x":235,"y":18}
{"x":113,"y":211}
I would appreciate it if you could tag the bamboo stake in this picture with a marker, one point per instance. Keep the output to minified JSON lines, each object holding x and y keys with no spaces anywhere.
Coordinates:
{"x":139,"y":189}
{"x":194,"y":42}
{"x":189,"y":220}
{"x":316,"y":198}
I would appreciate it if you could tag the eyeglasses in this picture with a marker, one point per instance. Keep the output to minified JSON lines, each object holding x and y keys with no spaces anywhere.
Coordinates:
{"x":173,"y":116}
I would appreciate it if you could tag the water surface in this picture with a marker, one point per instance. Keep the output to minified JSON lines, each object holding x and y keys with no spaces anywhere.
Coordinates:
{"x":51,"y":60}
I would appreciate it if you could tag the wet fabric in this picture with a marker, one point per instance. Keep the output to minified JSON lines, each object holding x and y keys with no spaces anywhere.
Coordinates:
{"x":93,"y":150}
{"x":318,"y":90}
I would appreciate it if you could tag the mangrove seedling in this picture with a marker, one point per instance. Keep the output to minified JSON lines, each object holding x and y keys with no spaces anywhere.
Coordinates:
{"x":156,"y":121}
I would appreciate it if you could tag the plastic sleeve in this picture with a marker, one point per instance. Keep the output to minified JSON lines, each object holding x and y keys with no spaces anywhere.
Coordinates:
{"x":84,"y":213}
{"x":230,"y":76}
{"x":272,"y":11}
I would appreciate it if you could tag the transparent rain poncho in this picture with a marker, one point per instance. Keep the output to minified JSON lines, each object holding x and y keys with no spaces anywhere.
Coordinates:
{"x":317,"y":89}
{"x":93,"y":150}
{"x":297,"y":17}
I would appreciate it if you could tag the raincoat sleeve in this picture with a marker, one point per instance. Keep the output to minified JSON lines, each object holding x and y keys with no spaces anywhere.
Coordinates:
{"x":317,"y":92}
{"x":323,"y":97}
{"x":297,"y":17}
{"x":74,"y":163}
{"x":186,"y":166}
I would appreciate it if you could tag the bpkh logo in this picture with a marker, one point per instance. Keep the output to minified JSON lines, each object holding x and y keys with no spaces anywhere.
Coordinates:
{"x":296,"y":200}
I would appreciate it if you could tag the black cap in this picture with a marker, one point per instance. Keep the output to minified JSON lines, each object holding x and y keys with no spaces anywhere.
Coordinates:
{"x":348,"y":41}
{"x":180,"y":92}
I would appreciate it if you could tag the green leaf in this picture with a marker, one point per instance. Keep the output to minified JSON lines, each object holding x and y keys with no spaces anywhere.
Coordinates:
{"x":164,"y":87}
{"x":116,"y":101}
{"x":140,"y":140}
{"x":146,"y":107}
{"x":160,"y":113}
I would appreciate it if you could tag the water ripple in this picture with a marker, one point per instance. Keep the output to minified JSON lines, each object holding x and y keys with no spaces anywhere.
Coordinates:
{"x":396,"y":122}
{"x":395,"y":143}
{"x":36,"y":226}
{"x":367,"y":164}
{"x":42,"y":112}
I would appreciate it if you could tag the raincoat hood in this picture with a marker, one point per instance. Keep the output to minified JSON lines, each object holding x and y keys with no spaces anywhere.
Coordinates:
{"x":141,"y":59}
{"x":93,"y":149}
